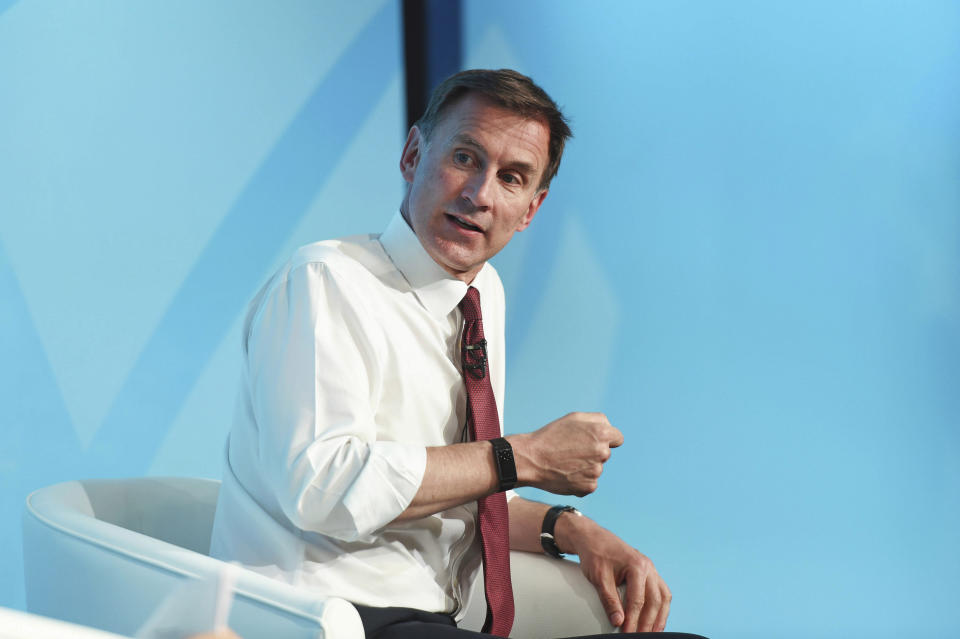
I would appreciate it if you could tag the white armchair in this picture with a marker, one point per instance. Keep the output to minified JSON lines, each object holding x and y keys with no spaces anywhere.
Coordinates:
{"x":105,"y":553}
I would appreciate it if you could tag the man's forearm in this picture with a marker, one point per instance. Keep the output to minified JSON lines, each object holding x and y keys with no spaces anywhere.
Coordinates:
{"x":455,"y":474}
{"x":565,"y":457}
{"x":526,"y":518}
{"x":461,"y":473}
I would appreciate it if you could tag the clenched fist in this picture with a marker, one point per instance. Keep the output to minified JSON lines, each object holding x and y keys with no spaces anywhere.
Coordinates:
{"x":566,"y":456}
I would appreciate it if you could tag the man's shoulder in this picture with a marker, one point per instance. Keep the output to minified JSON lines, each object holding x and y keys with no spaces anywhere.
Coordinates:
{"x":346,"y":264}
{"x":345,"y":272}
{"x":352,"y":255}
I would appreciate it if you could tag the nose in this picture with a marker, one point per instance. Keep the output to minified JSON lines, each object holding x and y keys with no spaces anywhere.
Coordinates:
{"x":478,"y":189}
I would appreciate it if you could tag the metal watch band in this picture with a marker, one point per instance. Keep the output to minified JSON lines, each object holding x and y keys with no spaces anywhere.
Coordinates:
{"x":547,"y":540}
{"x":503,"y":460}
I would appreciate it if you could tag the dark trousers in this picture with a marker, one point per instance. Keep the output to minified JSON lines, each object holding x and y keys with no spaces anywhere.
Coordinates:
{"x":407,"y":623}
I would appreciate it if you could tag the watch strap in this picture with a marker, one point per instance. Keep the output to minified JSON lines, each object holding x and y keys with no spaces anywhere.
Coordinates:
{"x":505,"y":463}
{"x":547,"y":539}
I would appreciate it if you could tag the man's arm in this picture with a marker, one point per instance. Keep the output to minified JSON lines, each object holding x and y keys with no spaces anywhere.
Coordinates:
{"x":606,"y":561}
{"x":564,"y":457}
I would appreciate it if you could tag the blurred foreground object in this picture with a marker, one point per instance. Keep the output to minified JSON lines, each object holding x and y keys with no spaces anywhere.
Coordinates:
{"x":15,"y":624}
{"x":198,"y":608}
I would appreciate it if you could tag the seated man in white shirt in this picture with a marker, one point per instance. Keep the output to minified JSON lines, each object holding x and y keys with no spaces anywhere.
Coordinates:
{"x":356,"y":462}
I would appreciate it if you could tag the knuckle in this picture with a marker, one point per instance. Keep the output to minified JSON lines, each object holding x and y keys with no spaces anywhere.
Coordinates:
{"x":633,"y":560}
{"x":636,"y":572}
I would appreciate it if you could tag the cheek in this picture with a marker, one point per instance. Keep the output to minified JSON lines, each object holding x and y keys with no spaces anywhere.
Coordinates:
{"x":519,"y":217}
{"x":436,"y":185}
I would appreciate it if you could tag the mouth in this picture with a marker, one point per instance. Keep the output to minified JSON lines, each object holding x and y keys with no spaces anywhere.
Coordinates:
{"x":464,"y":223}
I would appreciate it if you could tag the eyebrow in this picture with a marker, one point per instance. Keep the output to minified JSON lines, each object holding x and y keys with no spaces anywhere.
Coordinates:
{"x":527,"y":169}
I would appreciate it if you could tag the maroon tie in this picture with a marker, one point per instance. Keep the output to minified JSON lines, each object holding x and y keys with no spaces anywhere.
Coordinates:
{"x":492,"y":509}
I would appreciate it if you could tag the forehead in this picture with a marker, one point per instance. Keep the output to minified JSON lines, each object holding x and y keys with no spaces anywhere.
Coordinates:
{"x":500,"y":132}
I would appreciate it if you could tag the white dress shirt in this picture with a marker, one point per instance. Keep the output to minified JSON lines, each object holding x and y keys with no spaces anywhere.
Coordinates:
{"x":351,"y":368}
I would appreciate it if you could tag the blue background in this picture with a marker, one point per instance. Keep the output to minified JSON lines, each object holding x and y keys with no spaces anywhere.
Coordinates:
{"x":750,"y":261}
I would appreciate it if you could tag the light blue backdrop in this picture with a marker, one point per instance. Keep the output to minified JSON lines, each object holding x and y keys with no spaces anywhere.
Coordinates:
{"x":157,"y":161}
{"x":750,"y":260}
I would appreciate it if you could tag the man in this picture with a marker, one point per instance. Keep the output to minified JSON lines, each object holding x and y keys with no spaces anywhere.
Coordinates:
{"x":366,"y":460}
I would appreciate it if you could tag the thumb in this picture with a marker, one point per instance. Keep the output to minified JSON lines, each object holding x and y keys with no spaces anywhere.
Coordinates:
{"x":616,"y":437}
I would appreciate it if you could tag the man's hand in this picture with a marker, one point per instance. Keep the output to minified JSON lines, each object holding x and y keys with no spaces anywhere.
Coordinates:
{"x":566,"y":456}
{"x":608,"y":562}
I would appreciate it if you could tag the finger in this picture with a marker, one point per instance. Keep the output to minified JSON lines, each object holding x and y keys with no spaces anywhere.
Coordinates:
{"x":652,"y":605}
{"x":661,"y":621}
{"x":634,"y":600}
{"x":610,"y":598}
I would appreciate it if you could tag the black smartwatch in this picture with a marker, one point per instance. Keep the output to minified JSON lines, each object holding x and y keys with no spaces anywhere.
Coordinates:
{"x":503,"y":460}
{"x":547,"y":540}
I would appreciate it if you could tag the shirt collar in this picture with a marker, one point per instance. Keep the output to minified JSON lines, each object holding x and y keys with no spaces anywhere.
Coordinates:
{"x":438,"y":291}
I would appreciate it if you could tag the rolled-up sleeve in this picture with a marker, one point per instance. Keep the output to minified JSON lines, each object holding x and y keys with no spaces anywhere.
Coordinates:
{"x":314,"y":377}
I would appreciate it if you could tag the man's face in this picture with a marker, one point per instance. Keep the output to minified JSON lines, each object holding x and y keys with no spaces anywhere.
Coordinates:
{"x":474,"y":184}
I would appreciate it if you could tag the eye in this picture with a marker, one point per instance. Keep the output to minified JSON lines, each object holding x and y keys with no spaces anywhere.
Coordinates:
{"x":462,"y":157}
{"x":510,"y":178}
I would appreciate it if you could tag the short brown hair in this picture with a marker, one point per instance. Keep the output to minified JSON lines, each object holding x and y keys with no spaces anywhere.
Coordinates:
{"x":510,"y":90}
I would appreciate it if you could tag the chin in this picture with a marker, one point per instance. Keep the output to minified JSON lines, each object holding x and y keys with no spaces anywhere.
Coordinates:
{"x":457,"y":267}
{"x":455,"y":256}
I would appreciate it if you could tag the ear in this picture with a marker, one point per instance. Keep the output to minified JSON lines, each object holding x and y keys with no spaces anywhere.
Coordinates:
{"x":532,"y":210}
{"x":410,"y":157}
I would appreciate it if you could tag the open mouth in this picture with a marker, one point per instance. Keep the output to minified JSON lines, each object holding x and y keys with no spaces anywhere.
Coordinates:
{"x":462,"y":223}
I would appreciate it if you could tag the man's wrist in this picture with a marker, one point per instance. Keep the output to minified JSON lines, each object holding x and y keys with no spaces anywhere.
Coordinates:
{"x":568,"y":529}
{"x":521,"y":455}
{"x":548,"y":531}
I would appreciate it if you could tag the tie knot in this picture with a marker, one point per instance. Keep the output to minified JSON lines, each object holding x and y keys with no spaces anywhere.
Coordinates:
{"x":470,"y":305}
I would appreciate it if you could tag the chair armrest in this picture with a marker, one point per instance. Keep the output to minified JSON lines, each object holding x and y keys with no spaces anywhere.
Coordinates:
{"x":97,"y":574}
{"x":552,"y":599}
